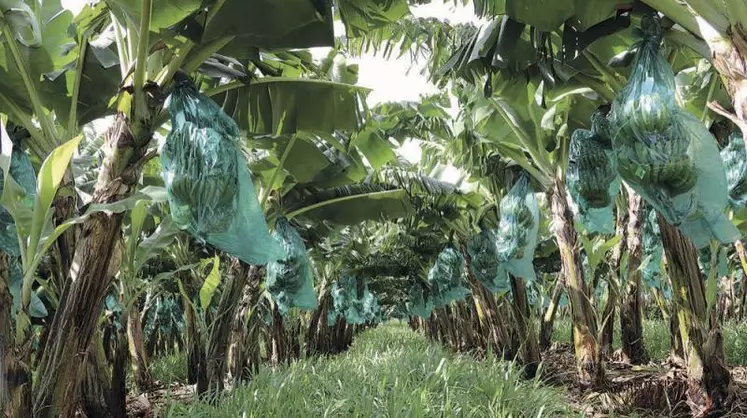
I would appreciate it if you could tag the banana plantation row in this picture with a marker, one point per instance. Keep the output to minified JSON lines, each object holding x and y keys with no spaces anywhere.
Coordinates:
{"x":183,"y":175}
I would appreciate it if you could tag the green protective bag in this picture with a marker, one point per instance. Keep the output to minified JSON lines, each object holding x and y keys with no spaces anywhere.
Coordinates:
{"x":290,"y":281}
{"x":352,"y":301}
{"x":516,"y":237}
{"x":734,"y":157}
{"x":664,"y":153}
{"x":446,"y":278}
{"x":418,"y":303}
{"x":592,"y":180}
{"x":652,"y":249}
{"x":210,"y":189}
{"x":484,"y":263}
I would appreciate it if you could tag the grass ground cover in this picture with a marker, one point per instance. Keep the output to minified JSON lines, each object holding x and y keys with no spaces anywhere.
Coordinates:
{"x":389,"y":371}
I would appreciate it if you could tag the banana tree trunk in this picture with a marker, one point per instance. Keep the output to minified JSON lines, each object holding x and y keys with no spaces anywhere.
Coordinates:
{"x":15,"y":375}
{"x":729,"y":53}
{"x":676,"y":351}
{"x":527,"y":330}
{"x":631,"y":310}
{"x":588,"y":362}
{"x":548,"y":318}
{"x":238,"y":349}
{"x":138,"y":357}
{"x":608,"y":315}
{"x":97,"y":257}
{"x":490,"y":326}
{"x":318,"y":321}
{"x":195,"y":353}
{"x":710,"y":387}
{"x":103,"y":391}
{"x":217,"y":349}
{"x":95,"y":384}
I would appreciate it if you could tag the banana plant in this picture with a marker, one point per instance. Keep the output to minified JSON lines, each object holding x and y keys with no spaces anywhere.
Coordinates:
{"x":127,"y":75}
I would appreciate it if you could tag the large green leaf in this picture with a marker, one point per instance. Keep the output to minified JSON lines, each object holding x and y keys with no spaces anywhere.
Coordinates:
{"x":353,"y":204}
{"x":39,"y":60}
{"x":287,"y":105}
{"x":211,"y":283}
{"x":99,"y":83}
{"x":137,"y":220}
{"x":304,"y":161}
{"x":545,"y":15}
{"x":374,"y":146}
{"x":273,"y":24}
{"x":589,"y":13}
{"x":360,"y":17}
{"x":154,"y":244}
{"x":164,"y":14}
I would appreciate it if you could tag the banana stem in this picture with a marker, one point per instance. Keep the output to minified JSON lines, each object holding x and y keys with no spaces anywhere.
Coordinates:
{"x":141,"y":61}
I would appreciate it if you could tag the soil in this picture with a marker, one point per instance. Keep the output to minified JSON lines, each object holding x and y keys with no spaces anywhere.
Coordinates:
{"x":158,"y":399}
{"x":651,"y":390}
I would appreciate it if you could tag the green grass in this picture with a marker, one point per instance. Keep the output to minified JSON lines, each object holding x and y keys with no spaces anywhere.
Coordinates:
{"x":656,"y":339}
{"x":170,"y":369}
{"x":389,"y":371}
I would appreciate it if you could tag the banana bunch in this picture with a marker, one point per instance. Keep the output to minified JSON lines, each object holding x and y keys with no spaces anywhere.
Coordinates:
{"x":660,"y":161}
{"x":601,"y":128}
{"x":288,"y":275}
{"x":590,"y":169}
{"x":195,"y":107}
{"x":446,"y":277}
{"x":651,"y":112}
{"x":483,"y":256}
{"x":514,"y":227}
{"x":734,"y":157}
{"x":417,"y":303}
{"x":202,"y":178}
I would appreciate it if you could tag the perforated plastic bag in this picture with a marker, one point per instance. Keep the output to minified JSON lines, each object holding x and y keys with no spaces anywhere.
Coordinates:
{"x":418,"y":303}
{"x":290,"y":280}
{"x":734,"y":157}
{"x":352,"y":301}
{"x":484,"y":263}
{"x":516,"y":237}
{"x":664,"y":153}
{"x":446,"y":278}
{"x":652,"y":249}
{"x":592,"y":178}
{"x":210,"y":189}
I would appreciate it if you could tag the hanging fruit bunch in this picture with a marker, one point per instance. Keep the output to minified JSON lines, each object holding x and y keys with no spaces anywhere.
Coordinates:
{"x":352,"y":301}
{"x":446,"y":278}
{"x":516,"y":236}
{"x":418,"y":302}
{"x":290,"y":281}
{"x":591,"y":176}
{"x":484,"y":263}
{"x":734,"y":157}
{"x":210,"y":189}
{"x":664,"y":153}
